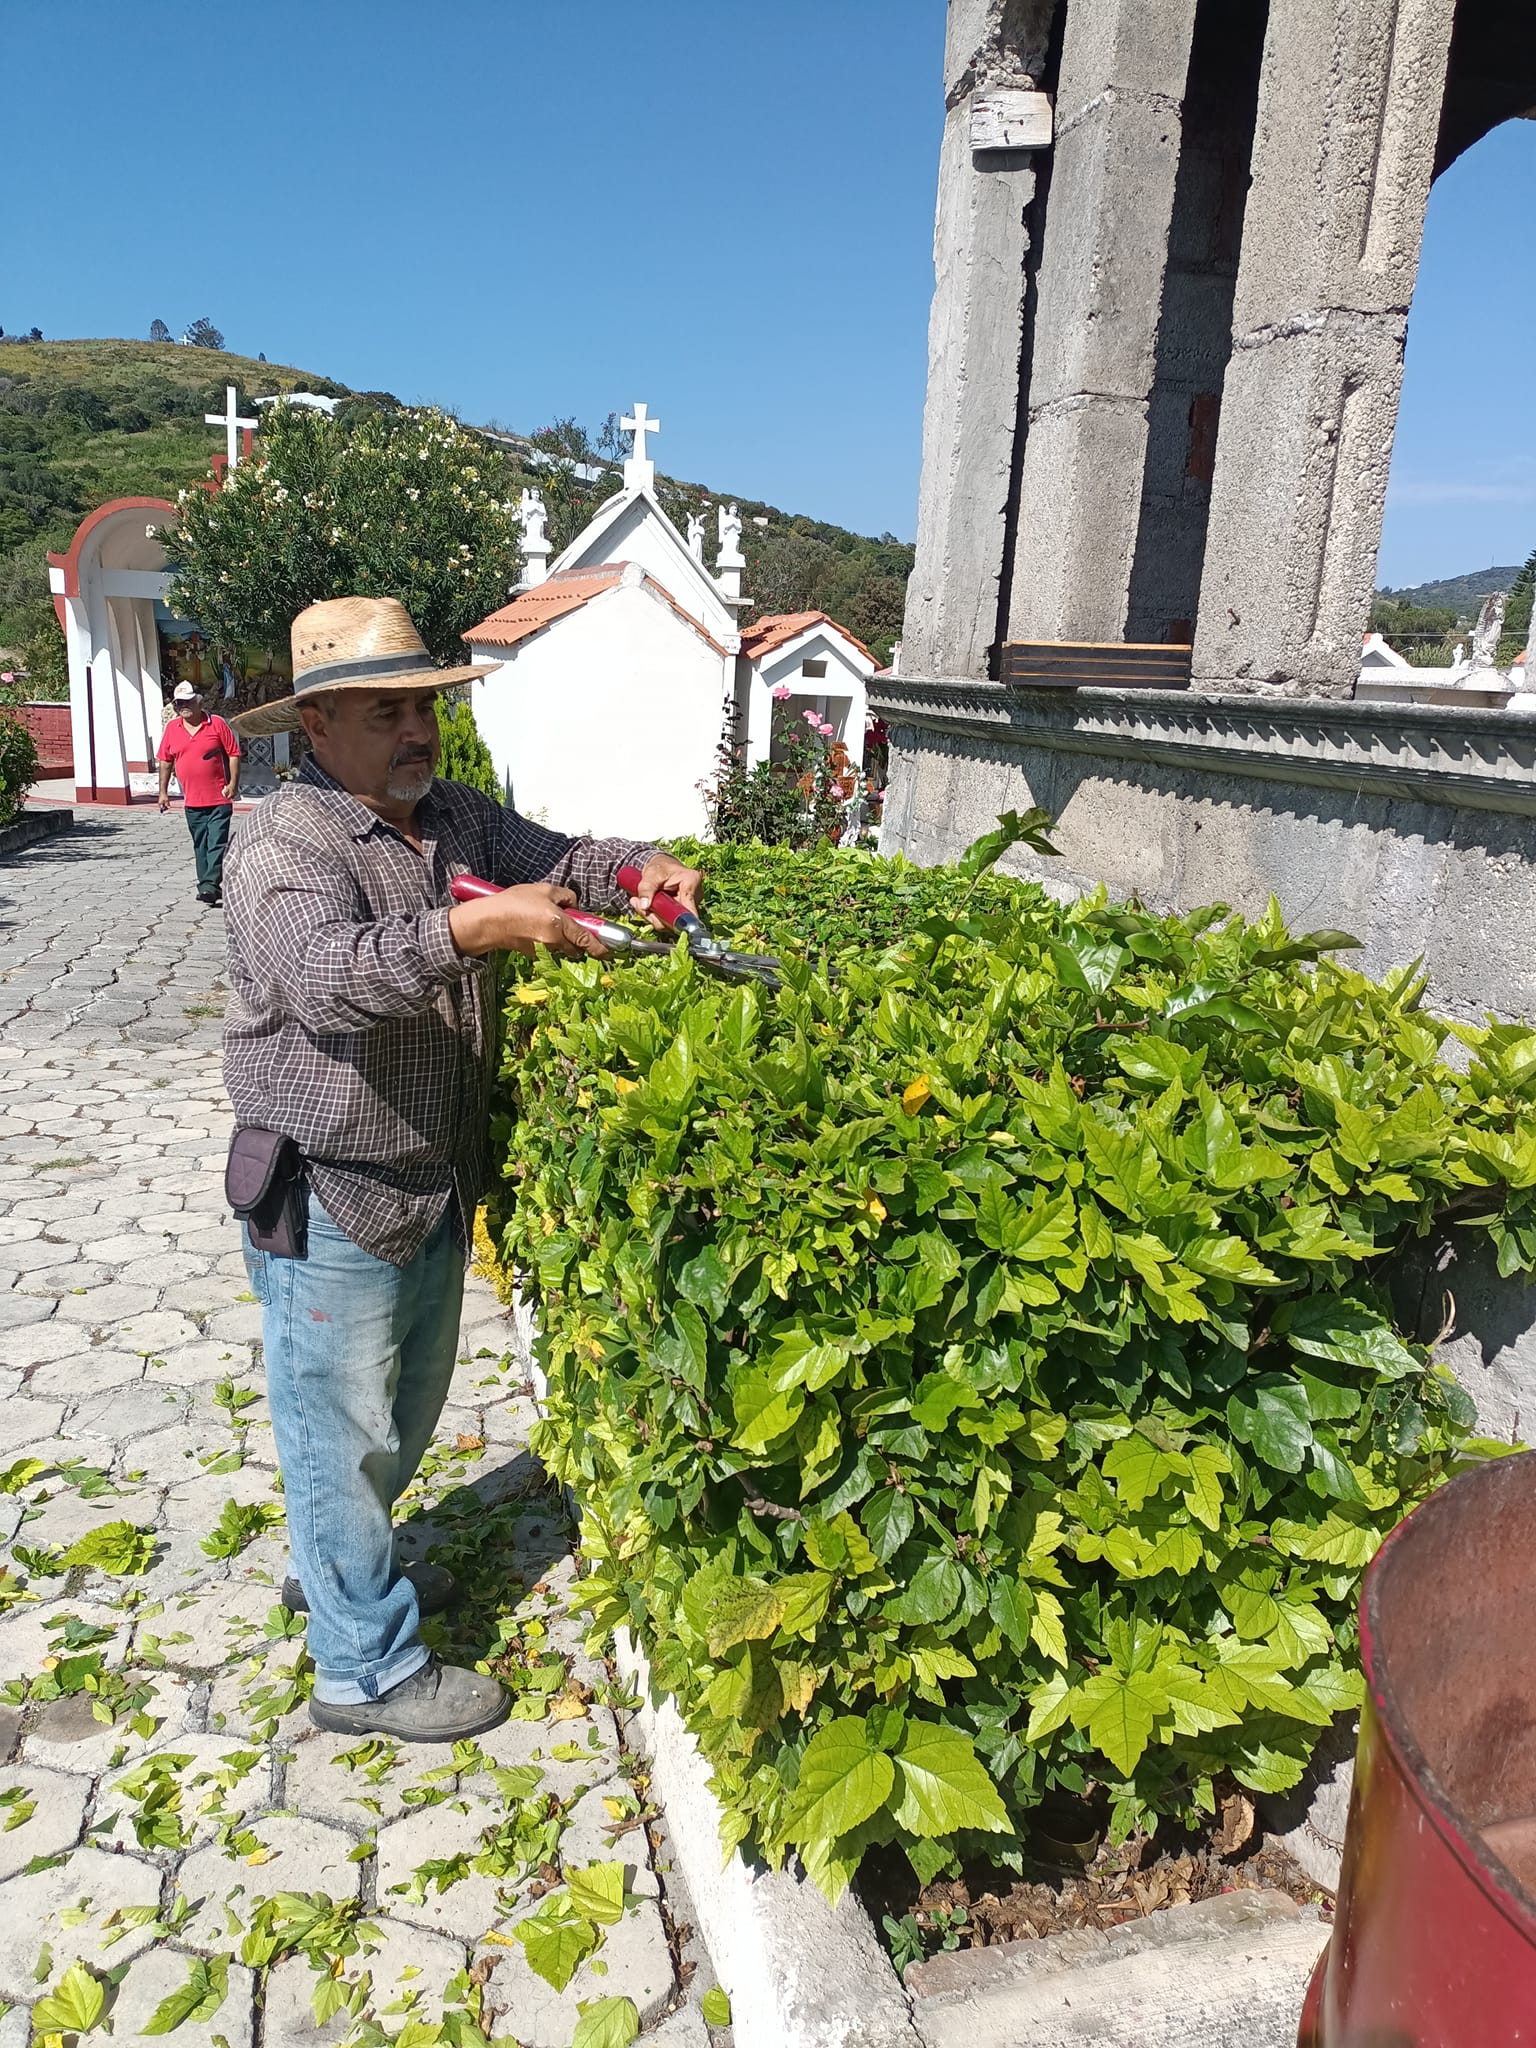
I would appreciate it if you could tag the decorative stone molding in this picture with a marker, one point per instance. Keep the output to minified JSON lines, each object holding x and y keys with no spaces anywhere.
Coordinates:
{"x":1438,"y":754}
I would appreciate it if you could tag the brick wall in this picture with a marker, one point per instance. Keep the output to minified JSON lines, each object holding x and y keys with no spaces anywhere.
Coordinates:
{"x":49,"y":727}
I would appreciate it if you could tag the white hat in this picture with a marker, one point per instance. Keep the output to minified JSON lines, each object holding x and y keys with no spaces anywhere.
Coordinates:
{"x":183,"y":694}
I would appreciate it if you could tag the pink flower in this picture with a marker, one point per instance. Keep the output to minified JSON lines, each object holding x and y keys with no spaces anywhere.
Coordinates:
{"x":810,"y":718}
{"x":781,"y":691}
{"x":827,"y":729}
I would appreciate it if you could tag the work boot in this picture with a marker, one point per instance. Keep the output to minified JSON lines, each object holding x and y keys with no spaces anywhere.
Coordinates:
{"x":438,"y":1703}
{"x":434,"y":1589}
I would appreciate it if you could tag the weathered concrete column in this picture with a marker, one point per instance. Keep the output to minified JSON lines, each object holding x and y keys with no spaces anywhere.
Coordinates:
{"x":1123,"y":69}
{"x":975,"y":331}
{"x":1349,"y":109}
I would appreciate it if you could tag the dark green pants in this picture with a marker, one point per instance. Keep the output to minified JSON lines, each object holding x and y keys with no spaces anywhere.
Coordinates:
{"x":209,"y":826}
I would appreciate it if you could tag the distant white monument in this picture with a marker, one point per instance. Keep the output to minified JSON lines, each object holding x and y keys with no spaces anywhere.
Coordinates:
{"x":617,"y":669}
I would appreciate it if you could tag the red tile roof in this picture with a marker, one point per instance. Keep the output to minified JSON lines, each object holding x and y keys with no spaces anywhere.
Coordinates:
{"x":568,"y":592}
{"x":765,"y":635}
{"x":536,"y":608}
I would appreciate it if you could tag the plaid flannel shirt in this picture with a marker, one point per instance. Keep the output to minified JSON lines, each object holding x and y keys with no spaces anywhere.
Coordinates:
{"x":354,"y":1024}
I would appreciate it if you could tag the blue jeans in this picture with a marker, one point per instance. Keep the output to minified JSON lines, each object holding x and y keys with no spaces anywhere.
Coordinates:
{"x":359,"y":1355}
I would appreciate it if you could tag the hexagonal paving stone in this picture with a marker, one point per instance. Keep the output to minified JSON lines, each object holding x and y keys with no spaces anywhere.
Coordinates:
{"x":112,"y":1823}
{"x":211,"y":1627}
{"x":58,"y":1808}
{"x":153,"y":1977}
{"x":316,"y":1781}
{"x":306,"y":1856}
{"x":102,"y":1308}
{"x":25,"y":1422}
{"x":69,"y":1516}
{"x":639,"y":1966}
{"x":30,"y":1909}
{"x":405,"y":1961}
{"x":129,"y":1412}
{"x":67,"y":1736}
{"x":86,"y":1372}
{"x":186,"y":1365}
{"x":196,"y":1504}
{"x":467,"y":1909}
{"x":25,"y":1638}
{"x":156,"y":1332}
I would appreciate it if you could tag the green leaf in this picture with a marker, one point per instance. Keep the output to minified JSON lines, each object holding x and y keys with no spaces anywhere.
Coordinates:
{"x":1011,"y":1605}
{"x":943,"y":1784}
{"x":1271,"y":1414}
{"x":597,"y":1892}
{"x":555,"y":1941}
{"x":1325,"y":1327}
{"x":75,"y":2005}
{"x":764,"y":1410}
{"x":715,"y":2007}
{"x":931,"y":1594}
{"x":1120,"y":1709}
{"x":742,"y":1610}
{"x":205,"y":1990}
{"x":704,"y":1280}
{"x":887,"y":1517}
{"x":986,"y":851}
{"x":118,"y":1548}
{"x":607,"y":2023}
{"x":1086,"y":964}
{"x":843,"y":1780}
{"x":803,"y":1597}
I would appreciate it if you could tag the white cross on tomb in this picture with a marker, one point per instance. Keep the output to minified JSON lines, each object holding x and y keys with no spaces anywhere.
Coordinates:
{"x":638,"y":472}
{"x":229,"y":419}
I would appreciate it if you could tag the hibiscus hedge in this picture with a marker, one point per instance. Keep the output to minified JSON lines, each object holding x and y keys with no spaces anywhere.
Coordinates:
{"x":974,"y":1361}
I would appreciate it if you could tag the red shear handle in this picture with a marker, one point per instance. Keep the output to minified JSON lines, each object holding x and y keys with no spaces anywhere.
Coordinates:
{"x":468,"y":888}
{"x":666,"y":909}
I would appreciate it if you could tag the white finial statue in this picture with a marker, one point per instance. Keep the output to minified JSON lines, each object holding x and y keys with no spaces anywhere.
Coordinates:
{"x":730,"y":561}
{"x":1486,"y":634}
{"x":536,"y":545}
{"x":639,"y":472}
{"x":696,"y":535}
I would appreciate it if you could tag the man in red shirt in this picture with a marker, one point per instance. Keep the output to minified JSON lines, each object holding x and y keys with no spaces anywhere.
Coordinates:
{"x":206,"y":757}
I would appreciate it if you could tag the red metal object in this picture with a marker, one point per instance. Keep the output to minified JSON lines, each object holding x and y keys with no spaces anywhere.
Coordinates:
{"x":1434,"y":1942}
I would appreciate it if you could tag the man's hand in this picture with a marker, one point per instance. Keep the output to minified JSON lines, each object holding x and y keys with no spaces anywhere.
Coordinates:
{"x":165,"y":802}
{"x":229,"y":792}
{"x":518,"y":920}
{"x":661,"y":871}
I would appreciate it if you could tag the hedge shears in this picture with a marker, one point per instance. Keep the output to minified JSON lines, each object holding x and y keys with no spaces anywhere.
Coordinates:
{"x":705,"y":948}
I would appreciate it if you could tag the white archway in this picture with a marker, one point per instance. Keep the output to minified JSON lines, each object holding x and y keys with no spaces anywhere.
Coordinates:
{"x":104,"y":590}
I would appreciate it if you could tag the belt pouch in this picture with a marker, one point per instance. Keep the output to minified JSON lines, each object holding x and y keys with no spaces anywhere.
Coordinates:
{"x":264,"y":1184}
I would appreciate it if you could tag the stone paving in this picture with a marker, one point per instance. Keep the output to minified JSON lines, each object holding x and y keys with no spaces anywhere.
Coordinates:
{"x":159,"y":1777}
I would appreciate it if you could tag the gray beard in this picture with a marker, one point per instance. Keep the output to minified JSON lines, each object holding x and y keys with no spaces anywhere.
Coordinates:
{"x":410,"y":787}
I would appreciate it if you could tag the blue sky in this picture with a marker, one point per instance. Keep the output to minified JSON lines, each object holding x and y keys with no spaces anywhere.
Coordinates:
{"x":525,"y":211}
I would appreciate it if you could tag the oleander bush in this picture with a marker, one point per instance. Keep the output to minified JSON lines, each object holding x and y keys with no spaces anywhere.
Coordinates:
{"x":974,"y":1362}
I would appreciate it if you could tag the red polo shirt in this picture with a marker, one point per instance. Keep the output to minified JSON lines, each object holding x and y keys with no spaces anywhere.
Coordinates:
{"x":201,"y":759}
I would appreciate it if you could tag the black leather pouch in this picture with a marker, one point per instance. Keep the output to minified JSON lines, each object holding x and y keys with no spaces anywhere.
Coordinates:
{"x":264,"y":1184}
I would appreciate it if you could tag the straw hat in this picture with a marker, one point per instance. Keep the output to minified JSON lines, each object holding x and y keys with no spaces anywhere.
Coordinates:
{"x":354,"y":643}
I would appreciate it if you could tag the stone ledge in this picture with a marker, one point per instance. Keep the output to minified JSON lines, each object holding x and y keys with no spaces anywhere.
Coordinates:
{"x":1228,"y":1973}
{"x":800,"y":1973}
{"x":1427,"y":753}
{"x":32,"y":826}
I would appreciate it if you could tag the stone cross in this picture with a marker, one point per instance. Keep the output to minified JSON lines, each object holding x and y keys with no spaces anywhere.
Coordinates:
{"x":639,"y":473}
{"x":229,"y":419}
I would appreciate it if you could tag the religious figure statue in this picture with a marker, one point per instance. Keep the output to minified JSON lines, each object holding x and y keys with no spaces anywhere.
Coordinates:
{"x":1487,"y":633}
{"x":534,"y":516}
{"x":730,"y":534}
{"x":696,"y":535}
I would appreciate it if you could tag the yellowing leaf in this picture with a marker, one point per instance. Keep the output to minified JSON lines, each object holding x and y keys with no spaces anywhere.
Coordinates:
{"x":530,"y":997}
{"x":915,"y":1094}
{"x":567,"y":1706}
{"x":623,"y":1085}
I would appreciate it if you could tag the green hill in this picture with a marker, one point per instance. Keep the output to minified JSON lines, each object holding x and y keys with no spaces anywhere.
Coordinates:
{"x":1461,"y":594}
{"x":85,"y":421}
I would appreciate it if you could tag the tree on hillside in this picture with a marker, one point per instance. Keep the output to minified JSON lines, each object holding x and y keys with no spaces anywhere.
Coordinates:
{"x":1517,"y":613}
{"x":158,"y":331}
{"x":203,"y":334}
{"x":404,"y":504}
